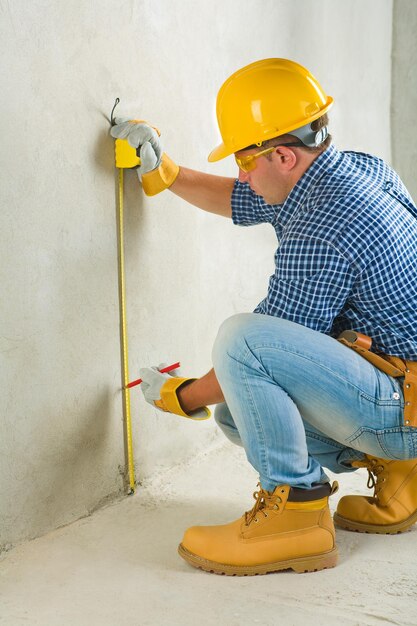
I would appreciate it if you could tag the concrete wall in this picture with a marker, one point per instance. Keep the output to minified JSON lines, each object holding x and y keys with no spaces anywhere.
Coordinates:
{"x":61,"y":443}
{"x":404,"y":92}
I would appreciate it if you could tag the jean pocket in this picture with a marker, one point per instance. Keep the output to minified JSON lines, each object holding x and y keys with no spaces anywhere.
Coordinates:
{"x":399,"y":443}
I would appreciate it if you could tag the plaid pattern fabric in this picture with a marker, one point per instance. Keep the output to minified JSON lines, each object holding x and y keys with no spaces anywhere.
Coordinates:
{"x":347,"y":250}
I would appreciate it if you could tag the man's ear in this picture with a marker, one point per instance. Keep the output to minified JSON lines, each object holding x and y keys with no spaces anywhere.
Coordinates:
{"x":287,"y":157}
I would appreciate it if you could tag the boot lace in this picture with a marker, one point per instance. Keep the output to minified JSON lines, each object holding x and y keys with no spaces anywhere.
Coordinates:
{"x":375,"y":479}
{"x":264,"y":500}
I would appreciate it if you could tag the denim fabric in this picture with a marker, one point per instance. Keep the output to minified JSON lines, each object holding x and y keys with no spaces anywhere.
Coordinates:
{"x":298,"y":401}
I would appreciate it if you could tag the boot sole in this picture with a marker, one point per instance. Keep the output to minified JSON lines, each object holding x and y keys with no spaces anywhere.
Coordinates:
{"x":313,"y":563}
{"x":380,"y":529}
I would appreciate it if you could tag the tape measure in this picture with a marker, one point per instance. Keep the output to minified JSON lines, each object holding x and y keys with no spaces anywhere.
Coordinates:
{"x":125,"y":155}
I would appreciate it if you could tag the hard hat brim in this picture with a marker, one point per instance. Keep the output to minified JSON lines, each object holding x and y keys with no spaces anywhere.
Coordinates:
{"x":219,"y":152}
{"x":222,"y":151}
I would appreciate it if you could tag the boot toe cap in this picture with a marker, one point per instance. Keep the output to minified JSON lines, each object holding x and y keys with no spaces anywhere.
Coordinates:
{"x":213,"y":543}
{"x":356,"y":508}
{"x":195,"y":539}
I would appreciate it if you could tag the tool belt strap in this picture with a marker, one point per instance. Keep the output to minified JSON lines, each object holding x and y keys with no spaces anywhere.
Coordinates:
{"x":392,"y":365}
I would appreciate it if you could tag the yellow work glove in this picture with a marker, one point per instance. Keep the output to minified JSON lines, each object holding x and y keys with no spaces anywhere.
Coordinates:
{"x":160,"y":390}
{"x":157,"y":171}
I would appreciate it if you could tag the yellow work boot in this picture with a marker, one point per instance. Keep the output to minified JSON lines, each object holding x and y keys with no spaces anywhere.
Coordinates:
{"x":288,"y":528}
{"x":393,"y":507}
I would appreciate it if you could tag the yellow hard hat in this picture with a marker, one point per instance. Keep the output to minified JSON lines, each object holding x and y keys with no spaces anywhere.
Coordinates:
{"x":266,"y":99}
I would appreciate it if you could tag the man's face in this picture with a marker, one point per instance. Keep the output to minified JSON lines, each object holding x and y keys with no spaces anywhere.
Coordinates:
{"x":267,"y":179}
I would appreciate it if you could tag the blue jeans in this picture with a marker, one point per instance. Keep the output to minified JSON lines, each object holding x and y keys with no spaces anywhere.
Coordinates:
{"x":299,"y":400}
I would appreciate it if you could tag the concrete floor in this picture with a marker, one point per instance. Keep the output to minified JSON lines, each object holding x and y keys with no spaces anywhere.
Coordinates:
{"x":120,"y":566}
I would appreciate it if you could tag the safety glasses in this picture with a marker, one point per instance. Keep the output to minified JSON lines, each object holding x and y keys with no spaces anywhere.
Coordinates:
{"x":248,"y":163}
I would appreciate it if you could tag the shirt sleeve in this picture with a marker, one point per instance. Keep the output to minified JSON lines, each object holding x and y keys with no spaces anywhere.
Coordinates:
{"x":248,"y":208}
{"x":310,"y":285}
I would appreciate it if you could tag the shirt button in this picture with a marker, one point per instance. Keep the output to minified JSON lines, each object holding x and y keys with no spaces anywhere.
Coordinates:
{"x":396,"y":396}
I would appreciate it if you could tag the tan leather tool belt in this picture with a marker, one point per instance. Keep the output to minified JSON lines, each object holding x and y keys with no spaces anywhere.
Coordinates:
{"x":391,"y":365}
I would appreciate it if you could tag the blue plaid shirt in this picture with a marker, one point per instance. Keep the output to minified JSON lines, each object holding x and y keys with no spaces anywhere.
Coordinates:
{"x":347,"y":253}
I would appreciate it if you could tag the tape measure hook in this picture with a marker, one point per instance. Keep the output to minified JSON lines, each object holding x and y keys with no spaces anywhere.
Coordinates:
{"x":112,"y":121}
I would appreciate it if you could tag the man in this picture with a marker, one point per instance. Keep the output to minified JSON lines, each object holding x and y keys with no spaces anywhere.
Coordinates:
{"x":297,"y":399}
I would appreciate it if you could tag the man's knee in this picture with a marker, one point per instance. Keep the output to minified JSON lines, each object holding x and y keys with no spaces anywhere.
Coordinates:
{"x":231,"y":333}
{"x":221,"y":415}
{"x":225,"y":422}
{"x":239,"y":333}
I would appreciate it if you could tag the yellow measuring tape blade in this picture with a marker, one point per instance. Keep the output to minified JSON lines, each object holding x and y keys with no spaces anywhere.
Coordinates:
{"x":124,"y":346}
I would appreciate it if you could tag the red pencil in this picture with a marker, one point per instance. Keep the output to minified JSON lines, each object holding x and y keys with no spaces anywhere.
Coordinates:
{"x":164,"y":370}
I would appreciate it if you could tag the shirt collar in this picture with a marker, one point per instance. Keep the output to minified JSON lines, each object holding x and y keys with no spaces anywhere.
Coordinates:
{"x":322,"y":164}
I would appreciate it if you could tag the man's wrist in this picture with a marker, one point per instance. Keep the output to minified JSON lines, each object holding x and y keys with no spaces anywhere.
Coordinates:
{"x":197,"y":393}
{"x":185,"y":396}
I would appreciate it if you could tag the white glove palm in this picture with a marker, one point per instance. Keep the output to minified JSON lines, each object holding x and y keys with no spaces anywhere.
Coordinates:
{"x":163,"y":396}
{"x":153,"y":380}
{"x":144,"y":139}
